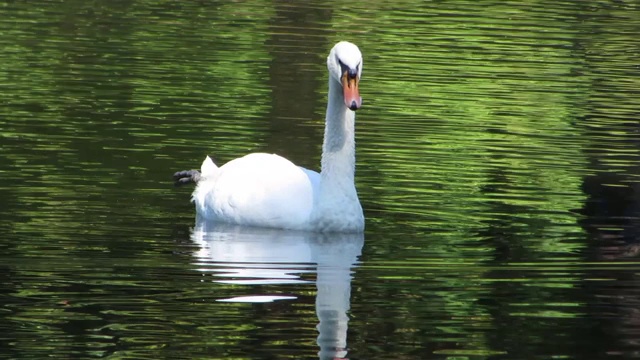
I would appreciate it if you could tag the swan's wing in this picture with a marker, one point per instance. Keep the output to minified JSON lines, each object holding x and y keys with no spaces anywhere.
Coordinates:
{"x":314,"y":177}
{"x":259,"y":190}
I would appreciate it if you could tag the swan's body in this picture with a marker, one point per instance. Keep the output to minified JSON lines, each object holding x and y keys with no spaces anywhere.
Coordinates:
{"x":270,"y":191}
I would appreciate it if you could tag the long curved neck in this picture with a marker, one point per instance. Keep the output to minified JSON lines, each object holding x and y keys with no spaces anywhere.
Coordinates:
{"x":338,"y":149}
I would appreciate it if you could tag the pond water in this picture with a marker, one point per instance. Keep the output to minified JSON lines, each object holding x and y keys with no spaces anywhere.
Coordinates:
{"x":498,"y":164}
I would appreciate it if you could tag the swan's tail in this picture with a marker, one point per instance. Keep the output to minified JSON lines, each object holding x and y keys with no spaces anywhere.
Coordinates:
{"x":208,"y":168}
{"x":184,"y":177}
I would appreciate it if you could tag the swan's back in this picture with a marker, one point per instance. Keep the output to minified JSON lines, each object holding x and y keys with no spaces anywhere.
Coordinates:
{"x":258,"y":190}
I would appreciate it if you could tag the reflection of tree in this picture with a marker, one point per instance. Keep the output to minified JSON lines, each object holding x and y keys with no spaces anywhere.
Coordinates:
{"x":463,"y":123}
{"x":612,"y":210}
{"x":518,"y":309}
{"x":100,"y":90}
{"x":496,"y":139}
{"x":101,"y":97}
{"x":297,"y":77}
{"x":612,"y":213}
{"x":612,"y":220}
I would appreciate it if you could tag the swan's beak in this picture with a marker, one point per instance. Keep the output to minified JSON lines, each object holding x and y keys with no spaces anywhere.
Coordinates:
{"x":350,"y":88}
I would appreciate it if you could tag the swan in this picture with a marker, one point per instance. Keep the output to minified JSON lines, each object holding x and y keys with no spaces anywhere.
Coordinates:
{"x":267,"y":190}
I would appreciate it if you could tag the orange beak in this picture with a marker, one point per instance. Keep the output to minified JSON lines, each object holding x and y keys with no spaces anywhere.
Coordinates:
{"x":351,"y":94}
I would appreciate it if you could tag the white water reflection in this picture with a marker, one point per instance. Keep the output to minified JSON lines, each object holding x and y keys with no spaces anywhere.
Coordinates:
{"x":256,"y":256}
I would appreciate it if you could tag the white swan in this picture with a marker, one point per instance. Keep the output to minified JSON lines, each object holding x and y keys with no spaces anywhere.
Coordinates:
{"x":270,"y":191}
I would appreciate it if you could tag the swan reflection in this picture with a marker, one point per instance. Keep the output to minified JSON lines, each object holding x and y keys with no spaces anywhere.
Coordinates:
{"x":256,"y":256}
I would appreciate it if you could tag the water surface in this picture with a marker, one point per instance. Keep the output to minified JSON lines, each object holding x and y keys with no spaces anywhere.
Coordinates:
{"x":497,"y":163}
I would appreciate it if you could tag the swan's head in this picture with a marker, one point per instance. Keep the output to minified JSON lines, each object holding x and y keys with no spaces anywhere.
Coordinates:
{"x":345,"y":67}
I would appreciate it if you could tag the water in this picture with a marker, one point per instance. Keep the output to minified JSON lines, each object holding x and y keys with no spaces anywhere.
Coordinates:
{"x":498,"y":152}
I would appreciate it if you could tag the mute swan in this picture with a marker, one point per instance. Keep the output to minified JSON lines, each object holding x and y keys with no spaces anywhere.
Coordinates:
{"x":268,"y":190}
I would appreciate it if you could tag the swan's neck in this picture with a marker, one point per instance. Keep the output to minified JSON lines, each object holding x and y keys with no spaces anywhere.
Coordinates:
{"x":337,"y":207}
{"x":338,"y":149}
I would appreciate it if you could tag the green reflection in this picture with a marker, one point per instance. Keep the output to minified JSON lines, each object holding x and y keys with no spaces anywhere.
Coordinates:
{"x":481,"y":123}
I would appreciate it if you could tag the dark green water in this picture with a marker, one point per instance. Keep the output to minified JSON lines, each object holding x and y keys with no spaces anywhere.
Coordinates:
{"x":498,"y":165}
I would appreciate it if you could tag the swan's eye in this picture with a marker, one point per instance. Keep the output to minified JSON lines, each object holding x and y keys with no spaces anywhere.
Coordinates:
{"x":352,"y":73}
